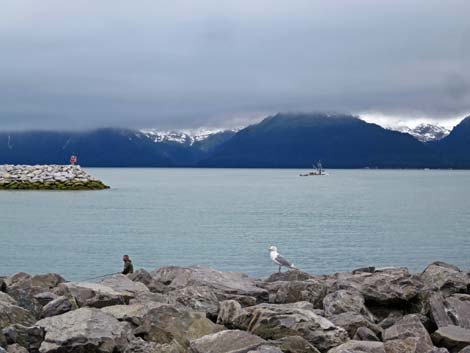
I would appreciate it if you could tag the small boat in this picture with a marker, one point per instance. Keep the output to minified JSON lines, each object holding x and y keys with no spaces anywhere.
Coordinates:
{"x":318,"y":170}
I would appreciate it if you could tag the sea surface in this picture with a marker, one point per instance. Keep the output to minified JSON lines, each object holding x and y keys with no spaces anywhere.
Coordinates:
{"x":227,"y":219}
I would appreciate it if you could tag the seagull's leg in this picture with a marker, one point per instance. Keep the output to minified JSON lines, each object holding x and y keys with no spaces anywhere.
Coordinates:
{"x":279,"y":268}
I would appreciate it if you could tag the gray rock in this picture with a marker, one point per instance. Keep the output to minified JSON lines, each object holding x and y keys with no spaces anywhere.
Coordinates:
{"x":138,"y":345}
{"x":392,"y":286}
{"x":446,"y":278}
{"x":24,"y":288}
{"x":228,"y":311}
{"x":132,"y":313}
{"x":407,"y":335}
{"x":6,"y":299}
{"x":291,"y":275}
{"x":197,"y":298}
{"x":392,"y":318}
{"x":16,"y":348}
{"x":283,"y":292}
{"x":439,"y":350}
{"x":12,"y":314}
{"x":266,"y":349}
{"x":146,"y":278}
{"x":3,"y":341}
{"x":369,"y":269}
{"x":365,"y":334}
{"x":294,"y":344}
{"x":122,"y":283}
{"x":166,"y":323}
{"x":274,"y":321}
{"x":45,"y":297}
{"x":83,"y":330}
{"x":359,"y":347}
{"x":228,"y":341}
{"x":453,"y":310}
{"x":351,"y":321}
{"x":343,"y":301}
{"x":231,"y":283}
{"x":452,"y":337}
{"x":465,"y":350}
{"x":58,"y":306}
{"x":93,"y":294}
{"x":28,"y":337}
{"x":244,"y":300}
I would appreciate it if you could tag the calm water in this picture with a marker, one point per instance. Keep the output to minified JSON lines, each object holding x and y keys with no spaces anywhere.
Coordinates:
{"x":227,"y":219}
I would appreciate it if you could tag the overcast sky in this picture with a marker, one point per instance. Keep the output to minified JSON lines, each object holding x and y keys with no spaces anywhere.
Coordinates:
{"x":185,"y":64}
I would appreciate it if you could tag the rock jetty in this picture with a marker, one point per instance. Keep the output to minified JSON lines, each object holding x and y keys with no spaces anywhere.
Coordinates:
{"x":47,"y":177}
{"x":200,"y":310}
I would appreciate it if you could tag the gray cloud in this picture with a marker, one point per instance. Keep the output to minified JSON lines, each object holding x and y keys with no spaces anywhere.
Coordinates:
{"x":186,"y":64}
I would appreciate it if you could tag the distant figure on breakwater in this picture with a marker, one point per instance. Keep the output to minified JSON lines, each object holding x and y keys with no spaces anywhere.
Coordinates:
{"x":128,"y":267}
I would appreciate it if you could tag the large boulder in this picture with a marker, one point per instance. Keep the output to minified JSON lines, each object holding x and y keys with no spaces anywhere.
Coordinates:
{"x":24,"y":287}
{"x":58,"y":306}
{"x":365,"y":334}
{"x":132,"y":313}
{"x":6,"y":299}
{"x":167,"y":323}
{"x":123,"y":284}
{"x":83,"y":330}
{"x":283,"y":292}
{"x":11,"y":314}
{"x":224,"y":283}
{"x":389,"y":286}
{"x":343,"y":301}
{"x":445,"y":278}
{"x":453,"y":310}
{"x":452,"y":337}
{"x":291,"y":275}
{"x":44,"y":298}
{"x":93,"y":294}
{"x":351,"y":322}
{"x":138,"y":345}
{"x":407,"y":335}
{"x":265,"y":348}
{"x":16,"y":348}
{"x":146,"y":278}
{"x":359,"y":347}
{"x":274,"y":321}
{"x":227,"y":341}
{"x":197,"y":298}
{"x":27,"y":337}
{"x":294,"y":344}
{"x":228,"y":311}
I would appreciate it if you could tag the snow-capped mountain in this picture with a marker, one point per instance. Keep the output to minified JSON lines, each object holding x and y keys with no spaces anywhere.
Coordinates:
{"x":425,"y":132}
{"x":184,"y":137}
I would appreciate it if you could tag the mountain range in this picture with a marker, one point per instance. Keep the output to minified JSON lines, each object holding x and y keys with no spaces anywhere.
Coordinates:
{"x":280,"y":141}
{"x":425,"y":132}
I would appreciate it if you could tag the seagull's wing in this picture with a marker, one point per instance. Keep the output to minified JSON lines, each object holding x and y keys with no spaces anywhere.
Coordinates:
{"x":282,"y":261}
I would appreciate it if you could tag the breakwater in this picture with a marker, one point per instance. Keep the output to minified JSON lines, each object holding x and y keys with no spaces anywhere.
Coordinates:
{"x":201,"y":310}
{"x":47,"y":177}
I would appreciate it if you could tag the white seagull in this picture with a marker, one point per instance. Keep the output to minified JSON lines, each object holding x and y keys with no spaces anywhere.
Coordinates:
{"x":278,"y":259}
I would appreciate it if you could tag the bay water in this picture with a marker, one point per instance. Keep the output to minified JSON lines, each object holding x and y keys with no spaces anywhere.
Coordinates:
{"x":227,"y":219}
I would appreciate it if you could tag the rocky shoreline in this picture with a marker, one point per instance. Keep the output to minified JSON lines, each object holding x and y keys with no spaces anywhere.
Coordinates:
{"x":47,"y":177}
{"x":200,"y":310}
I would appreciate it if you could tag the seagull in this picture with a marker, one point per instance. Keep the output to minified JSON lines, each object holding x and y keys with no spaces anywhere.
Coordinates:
{"x":278,"y":259}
